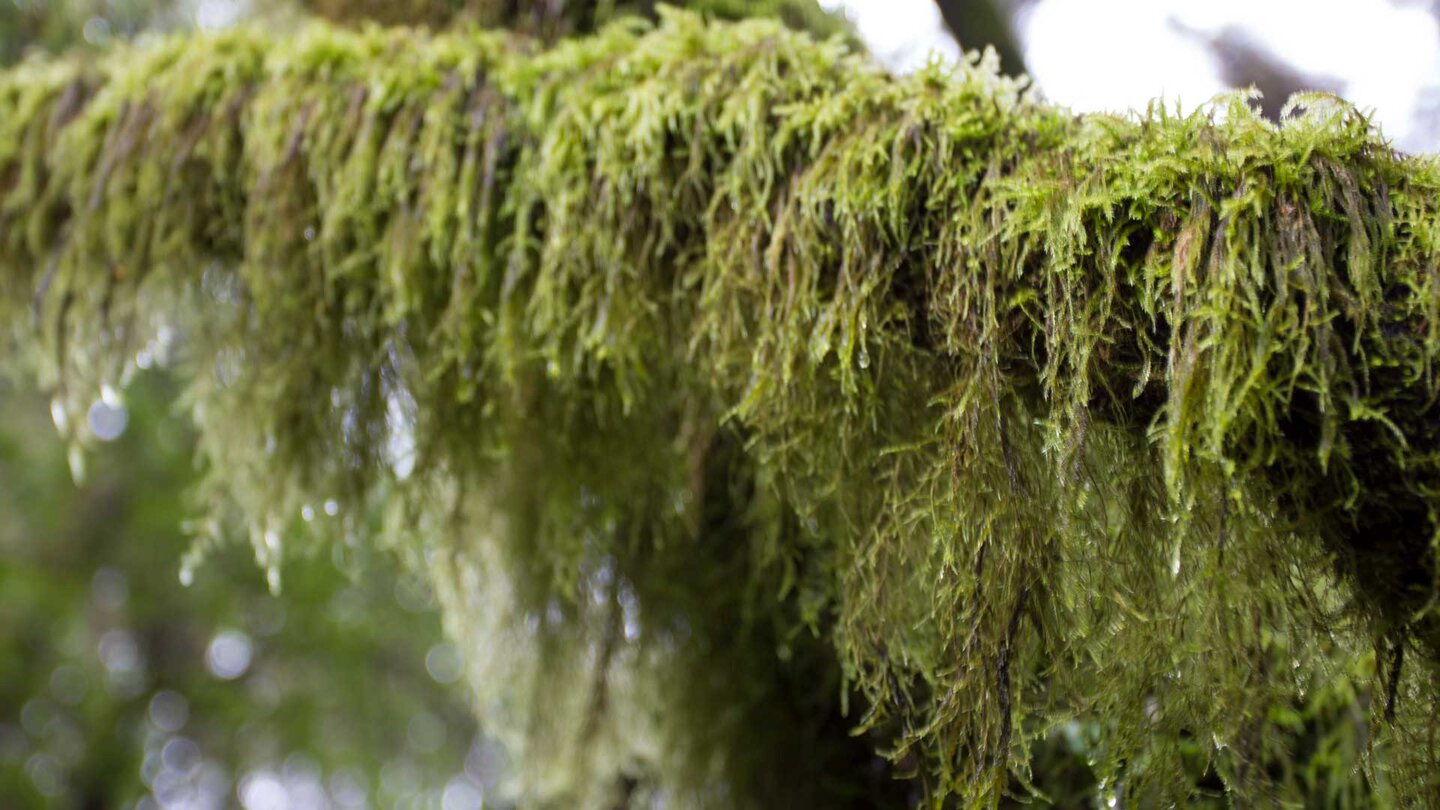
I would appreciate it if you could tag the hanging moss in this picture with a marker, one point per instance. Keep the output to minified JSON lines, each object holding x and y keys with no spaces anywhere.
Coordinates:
{"x":740,"y":395}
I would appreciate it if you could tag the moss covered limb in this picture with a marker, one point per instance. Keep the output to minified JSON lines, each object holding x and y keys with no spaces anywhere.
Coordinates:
{"x":1115,"y":426}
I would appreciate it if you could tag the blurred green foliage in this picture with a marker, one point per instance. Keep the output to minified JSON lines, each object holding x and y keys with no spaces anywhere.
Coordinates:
{"x":54,"y":25}
{"x":118,"y":683}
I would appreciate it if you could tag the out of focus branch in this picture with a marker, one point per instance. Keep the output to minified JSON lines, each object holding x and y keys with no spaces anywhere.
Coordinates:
{"x":1246,"y":62}
{"x":977,"y":23}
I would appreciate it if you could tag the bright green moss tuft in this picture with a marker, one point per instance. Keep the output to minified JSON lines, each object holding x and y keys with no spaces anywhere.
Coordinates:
{"x":728,"y":383}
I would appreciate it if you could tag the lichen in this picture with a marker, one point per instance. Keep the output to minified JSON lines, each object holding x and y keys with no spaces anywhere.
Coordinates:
{"x":728,"y":384}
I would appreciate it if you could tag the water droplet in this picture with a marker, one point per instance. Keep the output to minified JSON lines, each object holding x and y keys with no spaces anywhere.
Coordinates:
{"x":75,"y":456}
{"x":169,"y":711}
{"x":262,"y":790}
{"x":46,"y":774}
{"x":272,"y":579}
{"x":58,"y":413}
{"x":348,"y":791}
{"x":309,"y":234}
{"x":307,"y":512}
{"x":96,"y":30}
{"x":400,"y":445}
{"x":630,"y":612}
{"x":444,"y":663}
{"x":181,"y":757}
{"x":229,"y":654}
{"x":187,"y":576}
{"x":119,"y":652}
{"x":462,"y":794}
{"x":107,"y":418}
{"x":864,"y":358}
{"x":332,"y":508}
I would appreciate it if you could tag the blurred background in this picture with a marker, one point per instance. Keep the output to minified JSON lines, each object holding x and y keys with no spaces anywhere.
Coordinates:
{"x":122,"y":686}
{"x":1094,"y":55}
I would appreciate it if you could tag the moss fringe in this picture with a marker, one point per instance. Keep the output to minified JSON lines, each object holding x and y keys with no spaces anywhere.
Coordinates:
{"x":696,"y":359}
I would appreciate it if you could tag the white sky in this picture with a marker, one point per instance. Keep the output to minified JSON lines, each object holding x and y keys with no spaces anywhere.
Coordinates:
{"x":1119,"y":54}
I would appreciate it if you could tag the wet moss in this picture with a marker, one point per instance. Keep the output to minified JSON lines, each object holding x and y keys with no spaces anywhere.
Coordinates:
{"x":709,"y":364}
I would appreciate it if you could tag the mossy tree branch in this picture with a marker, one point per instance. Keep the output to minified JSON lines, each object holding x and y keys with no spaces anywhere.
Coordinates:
{"x":1026,"y":417}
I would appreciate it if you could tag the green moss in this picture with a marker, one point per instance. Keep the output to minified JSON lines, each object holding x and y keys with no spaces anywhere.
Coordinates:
{"x":721,"y":377}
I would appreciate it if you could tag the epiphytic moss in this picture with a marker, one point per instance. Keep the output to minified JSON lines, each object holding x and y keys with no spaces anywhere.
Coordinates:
{"x":720,"y":377}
